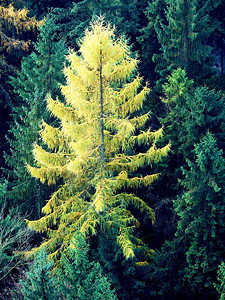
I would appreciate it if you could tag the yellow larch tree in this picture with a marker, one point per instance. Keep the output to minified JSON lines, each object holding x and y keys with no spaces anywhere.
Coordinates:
{"x":13,"y":23}
{"x":93,"y":149}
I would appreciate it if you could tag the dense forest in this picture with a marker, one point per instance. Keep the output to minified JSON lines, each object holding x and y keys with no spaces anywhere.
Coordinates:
{"x":112,"y":140}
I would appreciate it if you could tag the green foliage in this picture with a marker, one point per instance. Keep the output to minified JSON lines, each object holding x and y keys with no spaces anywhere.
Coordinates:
{"x":14,"y":237}
{"x":182,"y":28}
{"x":129,"y":277}
{"x":14,"y":27}
{"x":3,"y":191}
{"x":176,"y":91}
{"x":150,"y":45}
{"x":221,"y":278}
{"x":204,"y":112}
{"x":78,"y":277}
{"x":39,"y":284}
{"x":40,"y":74}
{"x":197,"y":247}
{"x":189,"y":113}
{"x":72,"y":22}
{"x":40,"y":8}
{"x":103,"y":150}
{"x":201,"y":212}
{"x":42,"y":69}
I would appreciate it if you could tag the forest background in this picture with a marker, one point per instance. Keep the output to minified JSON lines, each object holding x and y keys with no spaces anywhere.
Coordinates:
{"x":144,"y":217}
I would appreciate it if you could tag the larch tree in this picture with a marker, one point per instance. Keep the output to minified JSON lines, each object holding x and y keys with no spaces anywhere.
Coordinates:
{"x":94,"y":149}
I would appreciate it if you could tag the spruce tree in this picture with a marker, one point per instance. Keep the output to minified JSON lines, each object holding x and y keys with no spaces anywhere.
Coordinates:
{"x":72,"y":21}
{"x":189,"y":113}
{"x":189,"y":262}
{"x":78,"y":277}
{"x":183,"y":33}
{"x":39,"y":283}
{"x":94,"y":148}
{"x":129,"y":277}
{"x":41,"y":73}
{"x":217,"y":17}
{"x":221,"y":279}
{"x":14,"y":26}
{"x":154,"y":13}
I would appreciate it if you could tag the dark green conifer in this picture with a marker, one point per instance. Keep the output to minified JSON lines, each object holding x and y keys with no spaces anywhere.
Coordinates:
{"x":72,"y":22}
{"x":39,"y":283}
{"x":221,"y":279}
{"x":154,"y":13}
{"x":189,"y":113}
{"x":182,"y":29}
{"x":189,"y":262}
{"x":78,"y":277}
{"x":40,"y":74}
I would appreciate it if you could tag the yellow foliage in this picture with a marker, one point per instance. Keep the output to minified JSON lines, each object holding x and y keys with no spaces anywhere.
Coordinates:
{"x":93,"y":149}
{"x":18,"y":21}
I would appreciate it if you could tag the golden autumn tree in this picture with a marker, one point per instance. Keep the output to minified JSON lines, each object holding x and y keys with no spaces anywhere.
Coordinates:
{"x":93,"y":149}
{"x":13,"y":24}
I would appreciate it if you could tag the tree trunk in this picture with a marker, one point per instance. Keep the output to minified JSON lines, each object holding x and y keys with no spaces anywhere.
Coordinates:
{"x":102,"y":116}
{"x":222,"y":54}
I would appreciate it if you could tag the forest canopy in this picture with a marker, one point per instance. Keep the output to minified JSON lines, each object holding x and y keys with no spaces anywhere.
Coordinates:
{"x":112,"y":128}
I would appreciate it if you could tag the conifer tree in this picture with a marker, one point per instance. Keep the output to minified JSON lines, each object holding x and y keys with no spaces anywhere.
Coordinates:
{"x":39,"y":283}
{"x":78,"y":277}
{"x":129,"y":277}
{"x":148,"y":40}
{"x":41,"y":73}
{"x":72,"y":21}
{"x":221,"y":278}
{"x":197,"y":248}
{"x":189,"y":113}
{"x":182,"y":33}
{"x":94,"y":148}
{"x":217,"y":17}
{"x":14,"y":23}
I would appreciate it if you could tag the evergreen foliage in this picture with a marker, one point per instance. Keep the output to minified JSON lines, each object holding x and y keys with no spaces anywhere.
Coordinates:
{"x":99,"y":148}
{"x":129,"y":277}
{"x":14,"y":25}
{"x":148,"y":40}
{"x":14,"y":237}
{"x":217,"y":19}
{"x":221,"y":278}
{"x":41,"y":73}
{"x":182,"y":33}
{"x":197,"y":248}
{"x":190,"y":112}
{"x":39,"y":283}
{"x":40,"y":8}
{"x":94,"y":149}
{"x":73,"y":21}
{"x":3,"y":191}
{"x":78,"y":277}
